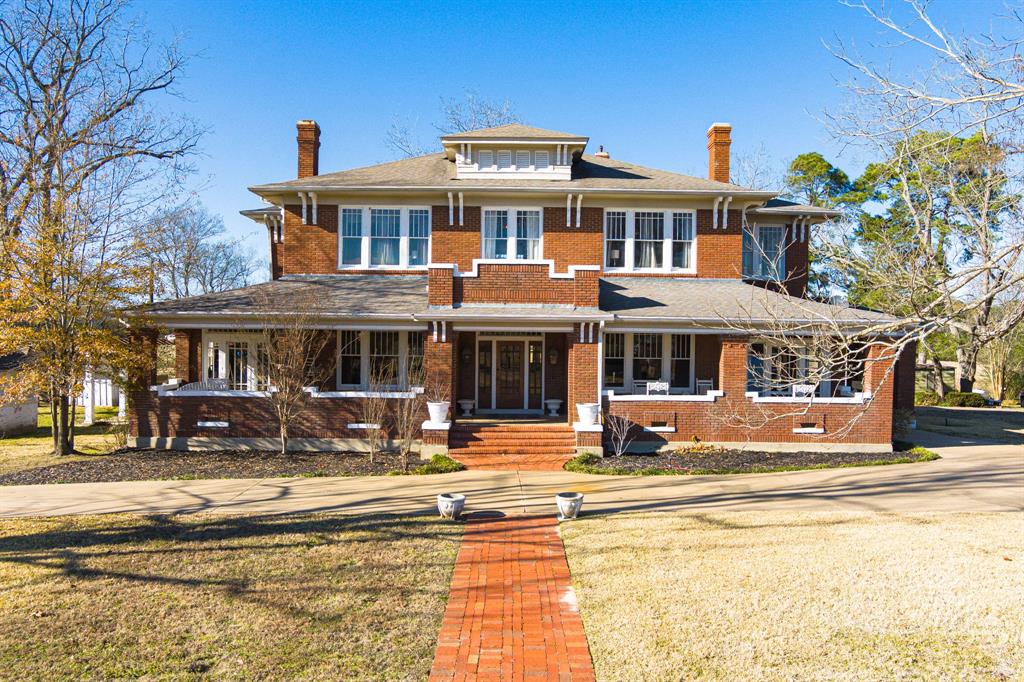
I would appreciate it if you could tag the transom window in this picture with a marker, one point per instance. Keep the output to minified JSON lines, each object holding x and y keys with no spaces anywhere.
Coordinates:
{"x":378,"y":237}
{"x":378,"y":358}
{"x":512,"y":234}
{"x":650,"y":240}
{"x":633,"y":359}
{"x":764,"y":252}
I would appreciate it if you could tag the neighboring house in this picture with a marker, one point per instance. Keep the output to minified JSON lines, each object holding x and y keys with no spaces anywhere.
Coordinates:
{"x":21,"y":416}
{"x":519,"y":270}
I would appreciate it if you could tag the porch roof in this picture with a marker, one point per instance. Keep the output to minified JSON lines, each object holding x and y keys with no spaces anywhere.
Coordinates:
{"x":327,"y":296}
{"x":721,"y":302}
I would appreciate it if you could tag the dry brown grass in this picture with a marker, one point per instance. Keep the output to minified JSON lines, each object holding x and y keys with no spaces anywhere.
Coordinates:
{"x":247,"y":597}
{"x":810,"y":596}
{"x":988,"y":423}
{"x":36,"y":449}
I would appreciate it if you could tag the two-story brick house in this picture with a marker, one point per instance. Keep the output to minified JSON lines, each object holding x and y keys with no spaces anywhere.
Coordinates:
{"x":530,"y":277}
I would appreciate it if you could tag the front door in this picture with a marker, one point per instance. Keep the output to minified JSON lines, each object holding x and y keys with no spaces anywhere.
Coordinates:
{"x":508,"y":385}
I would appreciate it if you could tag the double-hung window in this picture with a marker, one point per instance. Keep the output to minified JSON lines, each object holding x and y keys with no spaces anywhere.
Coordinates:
{"x":419,"y":236}
{"x":764,"y":252}
{"x":383,"y":237}
{"x":379,"y":359}
{"x":351,"y":236}
{"x":512,"y":233}
{"x":495,"y":235}
{"x":650,"y":240}
{"x":631,"y":359}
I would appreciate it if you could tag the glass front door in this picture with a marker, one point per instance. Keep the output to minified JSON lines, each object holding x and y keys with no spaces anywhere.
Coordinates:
{"x":508,"y":383}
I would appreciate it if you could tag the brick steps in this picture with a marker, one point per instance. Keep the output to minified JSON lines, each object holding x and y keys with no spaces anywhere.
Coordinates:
{"x":504,"y":446}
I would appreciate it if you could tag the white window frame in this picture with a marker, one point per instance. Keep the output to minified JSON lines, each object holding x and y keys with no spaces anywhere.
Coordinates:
{"x":513,"y":222}
{"x":365,"y":237}
{"x":772,"y":351}
{"x":666,"y":361}
{"x":667,"y":240}
{"x":757,"y":254}
{"x":364,"y":360}
{"x":222,"y":339}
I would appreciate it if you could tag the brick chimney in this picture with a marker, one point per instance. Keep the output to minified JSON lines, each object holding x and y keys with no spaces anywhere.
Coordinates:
{"x":309,"y":148}
{"x":718,"y":151}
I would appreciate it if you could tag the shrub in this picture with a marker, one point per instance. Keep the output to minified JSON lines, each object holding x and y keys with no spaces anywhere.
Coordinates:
{"x":697,"y":447}
{"x":438,"y":464}
{"x":583,"y":464}
{"x":959,"y":399}
{"x":926,"y":398}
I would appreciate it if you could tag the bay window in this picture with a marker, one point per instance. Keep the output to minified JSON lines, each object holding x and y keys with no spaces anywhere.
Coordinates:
{"x":631,"y":359}
{"x":764,"y":252}
{"x":512,"y":233}
{"x":382,"y":237}
{"x":650,"y":240}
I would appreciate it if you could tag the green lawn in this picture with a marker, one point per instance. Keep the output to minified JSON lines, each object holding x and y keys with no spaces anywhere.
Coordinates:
{"x":801,"y":596}
{"x":236,"y":597}
{"x":36,"y":449}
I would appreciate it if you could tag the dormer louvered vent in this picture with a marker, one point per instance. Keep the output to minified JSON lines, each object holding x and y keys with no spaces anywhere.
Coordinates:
{"x":485,"y":159}
{"x":504,"y":159}
{"x":540,"y":160}
{"x":522,"y":160}
{"x":514,"y":151}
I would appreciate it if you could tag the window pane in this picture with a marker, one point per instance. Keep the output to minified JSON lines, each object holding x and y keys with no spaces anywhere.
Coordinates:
{"x":614,"y":360}
{"x":419,"y":223}
{"x":383,"y":358}
{"x":385,"y":228}
{"x":770,"y":252}
{"x":351,"y":236}
{"x":681,"y":255}
{"x":680,"y":366}
{"x":415,"y":361}
{"x":649,"y":232}
{"x":646,"y":357}
{"x":528,"y":234}
{"x":350,"y":358}
{"x":238,"y":365}
{"x":615,"y":239}
{"x":495,"y":234}
{"x":682,"y":239}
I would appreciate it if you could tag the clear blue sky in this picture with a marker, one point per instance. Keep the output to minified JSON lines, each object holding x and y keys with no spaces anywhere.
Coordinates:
{"x":643,"y":79}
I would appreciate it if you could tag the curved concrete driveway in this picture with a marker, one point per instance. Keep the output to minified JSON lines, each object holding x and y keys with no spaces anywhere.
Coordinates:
{"x":971,"y":476}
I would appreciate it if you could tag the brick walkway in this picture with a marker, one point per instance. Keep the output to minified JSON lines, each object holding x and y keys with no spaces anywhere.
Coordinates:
{"x":512,"y":613}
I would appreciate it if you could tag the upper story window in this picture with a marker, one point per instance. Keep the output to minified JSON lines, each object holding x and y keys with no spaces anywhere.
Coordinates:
{"x":511,"y":233}
{"x":764,"y":252}
{"x":379,"y":237}
{"x":644,"y":240}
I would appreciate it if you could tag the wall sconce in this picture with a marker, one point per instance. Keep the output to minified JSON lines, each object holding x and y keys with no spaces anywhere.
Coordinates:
{"x":467,"y":354}
{"x":553,"y":356}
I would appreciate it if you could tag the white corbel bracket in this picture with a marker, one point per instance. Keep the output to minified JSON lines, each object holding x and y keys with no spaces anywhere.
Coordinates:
{"x":714,"y":213}
{"x":302,"y":198}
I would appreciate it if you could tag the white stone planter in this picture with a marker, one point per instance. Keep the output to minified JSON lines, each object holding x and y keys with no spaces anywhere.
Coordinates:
{"x":569,"y":505}
{"x":450,"y":505}
{"x":588,"y":413}
{"x":553,"y":405}
{"x":466,"y":406}
{"x":438,"y":412}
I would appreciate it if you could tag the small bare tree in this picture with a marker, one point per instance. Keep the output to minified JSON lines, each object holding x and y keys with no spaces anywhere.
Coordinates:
{"x":374,"y":408}
{"x":292,"y":357}
{"x":407,"y":413}
{"x":621,"y":433}
{"x":472,"y":112}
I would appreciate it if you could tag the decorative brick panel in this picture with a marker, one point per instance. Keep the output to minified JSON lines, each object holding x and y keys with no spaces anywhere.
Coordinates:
{"x":719,"y":251}
{"x":582,"y":369}
{"x":583,"y":245}
{"x":440,"y":286}
{"x":188,"y":354}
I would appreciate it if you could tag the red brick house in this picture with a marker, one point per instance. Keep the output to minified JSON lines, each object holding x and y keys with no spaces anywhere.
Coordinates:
{"x":530,"y":277}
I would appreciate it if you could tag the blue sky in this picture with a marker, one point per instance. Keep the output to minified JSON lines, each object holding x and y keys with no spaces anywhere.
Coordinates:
{"x":643,"y":79}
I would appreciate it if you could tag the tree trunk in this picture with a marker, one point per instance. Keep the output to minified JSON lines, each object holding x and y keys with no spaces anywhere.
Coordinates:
{"x":284,"y":437}
{"x":967,"y":366}
{"x":940,"y":380}
{"x":61,"y":431}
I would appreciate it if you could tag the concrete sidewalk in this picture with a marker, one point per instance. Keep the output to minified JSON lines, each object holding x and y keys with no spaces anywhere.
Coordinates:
{"x":971,"y":477}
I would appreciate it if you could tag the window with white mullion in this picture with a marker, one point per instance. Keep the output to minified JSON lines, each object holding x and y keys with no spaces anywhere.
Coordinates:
{"x":512,"y":234}
{"x":650,"y":240}
{"x":383,"y":237}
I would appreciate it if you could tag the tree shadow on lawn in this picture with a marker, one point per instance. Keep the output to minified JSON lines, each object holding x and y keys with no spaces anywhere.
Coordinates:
{"x":80,"y":548}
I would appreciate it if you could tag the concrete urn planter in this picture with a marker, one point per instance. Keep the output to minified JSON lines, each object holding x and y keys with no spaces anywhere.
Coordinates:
{"x":438,"y":412}
{"x":466,"y":406}
{"x":553,"y":405}
{"x":588,"y":413}
{"x":450,"y":505}
{"x":569,"y":505}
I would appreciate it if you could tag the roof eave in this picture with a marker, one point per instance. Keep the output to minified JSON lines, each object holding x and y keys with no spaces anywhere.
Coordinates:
{"x":262,"y":190}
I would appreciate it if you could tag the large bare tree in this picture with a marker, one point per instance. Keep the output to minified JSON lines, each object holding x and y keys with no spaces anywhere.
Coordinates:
{"x":83,"y":155}
{"x":947,"y":247}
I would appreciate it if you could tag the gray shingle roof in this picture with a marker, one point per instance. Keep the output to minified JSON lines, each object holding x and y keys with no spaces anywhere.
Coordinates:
{"x":512,"y":130}
{"x":714,"y":301}
{"x":783,"y":207}
{"x":330,"y":296}
{"x":435,"y":171}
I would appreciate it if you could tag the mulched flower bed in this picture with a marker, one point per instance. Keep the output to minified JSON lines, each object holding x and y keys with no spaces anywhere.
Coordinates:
{"x":738,"y":461}
{"x":148,"y":465}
